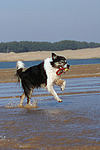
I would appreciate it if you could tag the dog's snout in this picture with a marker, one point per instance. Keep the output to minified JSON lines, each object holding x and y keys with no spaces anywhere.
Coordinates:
{"x":68,"y":66}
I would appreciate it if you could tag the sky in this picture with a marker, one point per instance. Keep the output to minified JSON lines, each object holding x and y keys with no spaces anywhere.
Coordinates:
{"x":49,"y":20}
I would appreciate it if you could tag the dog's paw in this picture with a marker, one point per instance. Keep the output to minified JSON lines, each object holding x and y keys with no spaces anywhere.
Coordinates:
{"x":59,"y":100}
{"x":62,"y":87}
{"x":31,"y":105}
{"x":20,"y":105}
{"x":28,"y":105}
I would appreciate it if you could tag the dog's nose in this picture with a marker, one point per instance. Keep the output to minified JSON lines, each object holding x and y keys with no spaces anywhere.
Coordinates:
{"x":68,"y":66}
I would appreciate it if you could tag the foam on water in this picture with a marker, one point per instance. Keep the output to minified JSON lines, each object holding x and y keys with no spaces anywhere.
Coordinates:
{"x":15,"y":104}
{"x":12,"y":104}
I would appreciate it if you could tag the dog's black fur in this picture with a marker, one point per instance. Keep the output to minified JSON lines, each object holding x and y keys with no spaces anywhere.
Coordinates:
{"x":32,"y":78}
{"x":42,"y":75}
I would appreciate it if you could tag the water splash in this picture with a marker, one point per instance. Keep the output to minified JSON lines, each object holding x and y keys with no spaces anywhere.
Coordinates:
{"x":33,"y":104}
{"x":12,"y":104}
{"x":2,"y":137}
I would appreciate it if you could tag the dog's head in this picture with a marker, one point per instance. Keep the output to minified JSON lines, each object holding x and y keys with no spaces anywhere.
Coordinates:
{"x":59,"y":62}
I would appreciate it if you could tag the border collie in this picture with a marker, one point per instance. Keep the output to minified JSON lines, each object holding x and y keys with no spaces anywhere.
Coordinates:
{"x":46,"y":74}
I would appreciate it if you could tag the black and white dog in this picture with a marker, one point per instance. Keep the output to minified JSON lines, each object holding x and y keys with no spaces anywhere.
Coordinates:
{"x":46,"y":74}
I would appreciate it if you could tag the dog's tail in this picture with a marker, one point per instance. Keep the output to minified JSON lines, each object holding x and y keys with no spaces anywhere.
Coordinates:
{"x":19,"y":71}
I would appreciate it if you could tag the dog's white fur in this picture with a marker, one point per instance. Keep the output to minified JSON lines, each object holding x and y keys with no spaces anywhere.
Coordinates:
{"x":52,"y":78}
{"x":20,"y":64}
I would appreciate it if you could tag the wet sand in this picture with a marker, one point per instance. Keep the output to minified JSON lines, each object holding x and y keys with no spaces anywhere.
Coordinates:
{"x":75,"y":71}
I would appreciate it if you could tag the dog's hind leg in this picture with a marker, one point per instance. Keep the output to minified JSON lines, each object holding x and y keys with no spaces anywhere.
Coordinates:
{"x":21,"y":100}
{"x":28,"y":89}
{"x":29,"y":96}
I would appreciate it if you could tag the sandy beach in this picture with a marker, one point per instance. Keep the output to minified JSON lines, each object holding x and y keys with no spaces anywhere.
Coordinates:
{"x":75,"y":71}
{"x":69,"y":54}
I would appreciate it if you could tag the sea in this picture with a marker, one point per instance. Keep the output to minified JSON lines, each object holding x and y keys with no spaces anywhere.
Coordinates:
{"x":73,"y":124}
{"x":5,"y":65}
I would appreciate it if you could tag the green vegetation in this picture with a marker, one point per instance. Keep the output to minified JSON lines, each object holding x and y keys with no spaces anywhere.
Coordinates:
{"x":27,"y":46}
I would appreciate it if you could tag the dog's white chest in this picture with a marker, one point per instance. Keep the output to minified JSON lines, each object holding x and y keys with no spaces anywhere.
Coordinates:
{"x":50,"y":71}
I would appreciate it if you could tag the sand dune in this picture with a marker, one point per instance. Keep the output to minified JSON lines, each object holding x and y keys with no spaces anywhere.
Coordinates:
{"x":69,"y":54}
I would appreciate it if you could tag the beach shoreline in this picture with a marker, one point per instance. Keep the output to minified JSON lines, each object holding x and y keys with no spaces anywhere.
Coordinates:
{"x":75,"y":71}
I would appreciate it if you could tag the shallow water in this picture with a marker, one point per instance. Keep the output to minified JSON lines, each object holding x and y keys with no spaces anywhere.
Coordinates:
{"x":5,"y":65}
{"x":53,"y":125}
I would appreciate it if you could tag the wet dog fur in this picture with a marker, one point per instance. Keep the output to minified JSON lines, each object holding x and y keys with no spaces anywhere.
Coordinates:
{"x":42,"y":75}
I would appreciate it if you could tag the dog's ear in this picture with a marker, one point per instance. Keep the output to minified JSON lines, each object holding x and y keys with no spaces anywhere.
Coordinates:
{"x":54,"y":56}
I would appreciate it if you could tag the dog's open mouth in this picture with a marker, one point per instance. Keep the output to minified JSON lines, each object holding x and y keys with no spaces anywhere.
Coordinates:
{"x":62,"y":70}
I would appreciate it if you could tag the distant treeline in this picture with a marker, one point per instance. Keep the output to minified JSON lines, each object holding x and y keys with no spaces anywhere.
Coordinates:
{"x":27,"y":46}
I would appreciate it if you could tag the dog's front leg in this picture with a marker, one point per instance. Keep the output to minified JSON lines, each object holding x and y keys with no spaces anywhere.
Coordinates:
{"x":52,"y":91}
{"x":61,"y":83}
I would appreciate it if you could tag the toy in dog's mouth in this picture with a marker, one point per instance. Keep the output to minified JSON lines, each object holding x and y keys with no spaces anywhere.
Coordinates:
{"x":62,"y":70}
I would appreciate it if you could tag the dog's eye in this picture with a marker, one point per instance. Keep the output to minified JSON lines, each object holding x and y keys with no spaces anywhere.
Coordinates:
{"x":61,"y":61}
{"x":65,"y":61}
